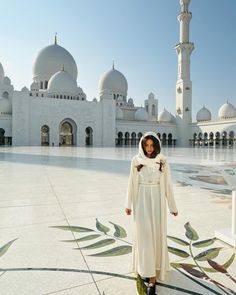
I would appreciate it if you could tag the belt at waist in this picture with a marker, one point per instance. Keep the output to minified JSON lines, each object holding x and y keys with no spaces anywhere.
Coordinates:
{"x":148,"y":183}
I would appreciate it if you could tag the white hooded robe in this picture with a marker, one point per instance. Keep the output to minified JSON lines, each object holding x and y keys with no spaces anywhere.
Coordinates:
{"x":148,"y":191}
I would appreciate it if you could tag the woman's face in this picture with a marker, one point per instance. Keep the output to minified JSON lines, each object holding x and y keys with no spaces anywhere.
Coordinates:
{"x":149,"y":148}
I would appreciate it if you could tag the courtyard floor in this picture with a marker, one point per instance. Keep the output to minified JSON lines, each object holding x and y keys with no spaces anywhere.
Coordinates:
{"x":63,"y":229}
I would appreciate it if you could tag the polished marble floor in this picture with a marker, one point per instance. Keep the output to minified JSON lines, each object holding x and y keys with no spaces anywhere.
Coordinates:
{"x":51,"y":197}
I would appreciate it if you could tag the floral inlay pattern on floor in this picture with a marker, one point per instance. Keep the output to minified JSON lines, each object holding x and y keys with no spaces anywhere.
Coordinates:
{"x":103,"y":236}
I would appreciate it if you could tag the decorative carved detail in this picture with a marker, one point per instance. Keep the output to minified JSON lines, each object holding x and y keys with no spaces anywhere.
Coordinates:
{"x":179,"y":90}
{"x":184,"y":46}
{"x":178,"y":111}
{"x":184,"y":17}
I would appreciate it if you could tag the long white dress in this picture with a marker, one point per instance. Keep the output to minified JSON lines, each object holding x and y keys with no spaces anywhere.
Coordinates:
{"x":148,"y":191}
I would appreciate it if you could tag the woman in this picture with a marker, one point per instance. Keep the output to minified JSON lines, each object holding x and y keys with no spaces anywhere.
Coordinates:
{"x":148,"y":189}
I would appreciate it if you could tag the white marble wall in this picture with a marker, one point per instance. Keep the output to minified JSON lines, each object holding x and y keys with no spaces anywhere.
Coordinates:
{"x":31,"y":113}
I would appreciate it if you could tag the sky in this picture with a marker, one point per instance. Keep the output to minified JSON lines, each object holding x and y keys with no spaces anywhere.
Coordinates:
{"x":139,"y":35}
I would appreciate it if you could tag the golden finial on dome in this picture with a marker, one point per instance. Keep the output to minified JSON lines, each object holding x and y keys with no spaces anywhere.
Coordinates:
{"x":113,"y":65}
{"x":55,"y":38}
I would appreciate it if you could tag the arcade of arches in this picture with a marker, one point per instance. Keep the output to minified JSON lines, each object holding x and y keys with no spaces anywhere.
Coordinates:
{"x":213,"y":139}
{"x":67,"y":136}
{"x":127,"y":138}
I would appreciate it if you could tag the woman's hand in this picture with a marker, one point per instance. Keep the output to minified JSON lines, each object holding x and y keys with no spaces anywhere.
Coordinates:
{"x":174,"y":213}
{"x":128,"y":211}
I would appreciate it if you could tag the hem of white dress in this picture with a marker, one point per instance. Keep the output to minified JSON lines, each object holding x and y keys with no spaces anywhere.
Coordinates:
{"x":157,"y":274}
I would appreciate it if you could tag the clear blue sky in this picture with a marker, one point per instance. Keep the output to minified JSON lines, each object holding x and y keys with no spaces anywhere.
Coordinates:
{"x":139,"y":35}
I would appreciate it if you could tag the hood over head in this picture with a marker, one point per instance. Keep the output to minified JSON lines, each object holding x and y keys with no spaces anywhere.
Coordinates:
{"x":141,"y":157}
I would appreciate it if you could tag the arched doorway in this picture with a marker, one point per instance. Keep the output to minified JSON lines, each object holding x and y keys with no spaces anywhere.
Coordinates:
{"x":44,"y":135}
{"x":133,"y":138}
{"x":120,"y":139}
{"x":2,"y":137}
{"x":231,"y":138}
{"x":139,"y":137}
{"x":67,"y":132}
{"x":211,"y":139}
{"x":163,"y":139}
{"x":169,"y":139}
{"x":205,"y":138}
{"x":127,"y":138}
{"x":200,"y":138}
{"x":195,"y":142}
{"x":217,"y":138}
{"x":224,"y":138}
{"x":89,"y":136}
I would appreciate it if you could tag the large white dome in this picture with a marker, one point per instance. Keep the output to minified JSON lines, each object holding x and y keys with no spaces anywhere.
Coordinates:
{"x":52,"y":59}
{"x":5,"y":106}
{"x":203,"y":114}
{"x":141,"y":115}
{"x":1,"y":73}
{"x":226,"y":111}
{"x":62,"y":83}
{"x":165,"y":116}
{"x":115,"y":82}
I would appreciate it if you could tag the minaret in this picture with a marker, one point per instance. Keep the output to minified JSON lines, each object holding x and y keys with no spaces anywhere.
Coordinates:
{"x":184,"y":49}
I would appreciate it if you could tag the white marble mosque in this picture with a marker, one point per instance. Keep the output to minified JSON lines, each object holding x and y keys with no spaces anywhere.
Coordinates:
{"x":56,"y":111}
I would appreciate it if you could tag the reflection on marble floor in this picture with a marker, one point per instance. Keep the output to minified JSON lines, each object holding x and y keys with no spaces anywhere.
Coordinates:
{"x":63,"y":230}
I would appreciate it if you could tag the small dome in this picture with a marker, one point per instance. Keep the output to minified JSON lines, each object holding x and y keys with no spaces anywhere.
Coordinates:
{"x":25,"y":89}
{"x":7,"y":81}
{"x":119,"y":113}
{"x":226,"y":111}
{"x":203,"y":114}
{"x":34,"y":86}
{"x":115,"y":82}
{"x":50,"y":60}
{"x":5,"y":106}
{"x":151,"y":96}
{"x":141,"y":115}
{"x":62,"y":83}
{"x":165,"y":116}
{"x":1,"y":73}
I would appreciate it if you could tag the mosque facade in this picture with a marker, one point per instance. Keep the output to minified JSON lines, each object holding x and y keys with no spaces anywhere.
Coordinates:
{"x":56,"y":111}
